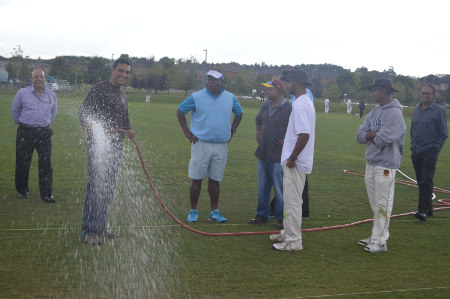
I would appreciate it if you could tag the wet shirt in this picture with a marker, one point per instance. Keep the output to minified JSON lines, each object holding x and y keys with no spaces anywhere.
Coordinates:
{"x":428,"y":128}
{"x":107,"y":104}
{"x":32,"y":109}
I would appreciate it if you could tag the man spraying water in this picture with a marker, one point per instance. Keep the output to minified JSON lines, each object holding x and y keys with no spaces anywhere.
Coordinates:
{"x":104,"y":117}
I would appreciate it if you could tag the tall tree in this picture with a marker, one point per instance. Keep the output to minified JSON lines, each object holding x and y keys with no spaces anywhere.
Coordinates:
{"x":409,"y":94}
{"x":189,"y":81}
{"x":347,"y":85}
{"x":245,"y":82}
{"x":317,"y":87}
{"x":61,"y":69}
{"x":333,"y":93}
{"x":98,"y":70}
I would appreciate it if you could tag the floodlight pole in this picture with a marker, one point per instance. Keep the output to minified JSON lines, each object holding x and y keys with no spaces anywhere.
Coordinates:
{"x":206,"y":54}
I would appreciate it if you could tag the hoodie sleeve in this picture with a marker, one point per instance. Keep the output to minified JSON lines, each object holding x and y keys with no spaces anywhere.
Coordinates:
{"x":392,"y":129}
{"x":363,"y":130}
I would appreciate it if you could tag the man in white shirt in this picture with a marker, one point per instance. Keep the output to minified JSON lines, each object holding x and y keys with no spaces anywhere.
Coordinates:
{"x":296,"y":160}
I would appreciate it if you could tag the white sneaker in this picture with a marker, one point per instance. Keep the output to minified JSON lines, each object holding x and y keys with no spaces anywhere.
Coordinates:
{"x":365,"y":242}
{"x":375,"y":247}
{"x":288,"y":246}
{"x":277,"y":238}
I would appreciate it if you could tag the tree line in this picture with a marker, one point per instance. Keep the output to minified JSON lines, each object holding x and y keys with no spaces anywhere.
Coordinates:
{"x":329,"y":81}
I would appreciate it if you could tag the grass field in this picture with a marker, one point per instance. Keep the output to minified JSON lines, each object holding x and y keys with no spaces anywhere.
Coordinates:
{"x":41,"y":255}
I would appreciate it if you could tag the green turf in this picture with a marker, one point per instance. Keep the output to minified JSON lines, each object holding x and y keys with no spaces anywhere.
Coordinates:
{"x":41,"y":256}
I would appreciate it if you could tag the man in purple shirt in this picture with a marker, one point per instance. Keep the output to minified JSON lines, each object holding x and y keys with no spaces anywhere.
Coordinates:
{"x":34,"y":109}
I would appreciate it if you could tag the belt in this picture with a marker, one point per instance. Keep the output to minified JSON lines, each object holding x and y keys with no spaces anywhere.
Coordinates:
{"x":34,"y":128}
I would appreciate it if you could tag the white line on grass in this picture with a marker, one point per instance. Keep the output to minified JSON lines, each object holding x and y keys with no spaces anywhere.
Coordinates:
{"x":378,"y":292}
{"x":171,"y":225}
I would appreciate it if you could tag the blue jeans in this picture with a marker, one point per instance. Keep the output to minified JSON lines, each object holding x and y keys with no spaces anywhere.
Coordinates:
{"x":270,"y":175}
{"x":103,"y":166}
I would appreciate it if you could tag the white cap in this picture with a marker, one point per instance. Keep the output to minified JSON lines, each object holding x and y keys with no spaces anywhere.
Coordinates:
{"x":215,"y":74}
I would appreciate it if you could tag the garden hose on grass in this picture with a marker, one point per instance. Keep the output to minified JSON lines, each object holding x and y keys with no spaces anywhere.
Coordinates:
{"x":443,"y":203}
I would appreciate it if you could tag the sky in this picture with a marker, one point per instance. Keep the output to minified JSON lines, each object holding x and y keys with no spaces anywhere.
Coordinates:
{"x":410,"y":36}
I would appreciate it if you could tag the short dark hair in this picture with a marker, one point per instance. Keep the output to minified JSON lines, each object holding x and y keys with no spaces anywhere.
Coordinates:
{"x":122,"y":60}
{"x":432,"y":88}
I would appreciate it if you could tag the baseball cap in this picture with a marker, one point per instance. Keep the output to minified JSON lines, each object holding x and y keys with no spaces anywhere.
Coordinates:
{"x":215,"y":74}
{"x":275,"y":83}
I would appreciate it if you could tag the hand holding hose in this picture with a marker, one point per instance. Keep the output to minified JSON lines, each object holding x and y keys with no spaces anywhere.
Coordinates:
{"x":130,"y":134}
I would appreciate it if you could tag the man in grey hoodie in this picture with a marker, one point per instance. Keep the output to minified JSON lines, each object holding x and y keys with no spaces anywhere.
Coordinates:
{"x":384,"y":133}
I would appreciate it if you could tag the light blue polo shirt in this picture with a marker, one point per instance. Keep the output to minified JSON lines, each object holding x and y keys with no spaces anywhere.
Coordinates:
{"x":211,"y":115}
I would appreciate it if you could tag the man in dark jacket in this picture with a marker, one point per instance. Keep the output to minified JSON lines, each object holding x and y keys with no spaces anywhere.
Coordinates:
{"x":428,"y":135}
{"x":271,"y":124}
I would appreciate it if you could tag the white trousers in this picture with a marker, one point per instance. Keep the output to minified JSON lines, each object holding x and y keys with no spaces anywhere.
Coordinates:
{"x":380,"y":183}
{"x":293,"y":184}
{"x":147,"y":99}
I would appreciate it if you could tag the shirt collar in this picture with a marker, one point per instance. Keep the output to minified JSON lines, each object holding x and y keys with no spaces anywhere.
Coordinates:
{"x":433,"y":105}
{"x":221,"y":90}
{"x":34,"y":90}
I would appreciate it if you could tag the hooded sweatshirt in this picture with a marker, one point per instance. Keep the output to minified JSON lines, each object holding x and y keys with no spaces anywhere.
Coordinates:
{"x":386,"y":149}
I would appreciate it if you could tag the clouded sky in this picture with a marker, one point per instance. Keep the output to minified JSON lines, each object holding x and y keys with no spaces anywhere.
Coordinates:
{"x":411,"y":36}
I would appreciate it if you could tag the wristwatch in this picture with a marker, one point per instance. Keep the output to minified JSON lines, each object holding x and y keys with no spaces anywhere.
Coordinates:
{"x":292,"y":158}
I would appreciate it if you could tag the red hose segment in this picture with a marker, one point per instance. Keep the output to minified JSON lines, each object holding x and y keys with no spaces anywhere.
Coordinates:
{"x":443,"y":202}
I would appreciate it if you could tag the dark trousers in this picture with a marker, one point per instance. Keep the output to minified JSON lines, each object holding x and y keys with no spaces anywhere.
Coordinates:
{"x":361,"y":112}
{"x":305,"y":206}
{"x":425,"y":167}
{"x":28,"y":139}
{"x":104,"y":157}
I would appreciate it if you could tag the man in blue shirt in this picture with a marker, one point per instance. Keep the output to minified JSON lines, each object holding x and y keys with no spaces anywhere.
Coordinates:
{"x":34,"y":109}
{"x":428,"y":135}
{"x":209,"y":134}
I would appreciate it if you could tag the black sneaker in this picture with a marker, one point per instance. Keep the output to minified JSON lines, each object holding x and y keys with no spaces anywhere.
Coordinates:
{"x":421,"y":216}
{"x":23,"y":194}
{"x":257,"y":220}
{"x":48,"y":199}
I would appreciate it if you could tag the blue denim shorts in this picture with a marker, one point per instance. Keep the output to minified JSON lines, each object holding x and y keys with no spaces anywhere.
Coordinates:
{"x":208,"y":160}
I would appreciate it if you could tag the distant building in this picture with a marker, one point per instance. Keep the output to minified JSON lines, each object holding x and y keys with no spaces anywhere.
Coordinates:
{"x":441,"y":82}
{"x":3,"y":75}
